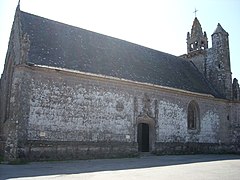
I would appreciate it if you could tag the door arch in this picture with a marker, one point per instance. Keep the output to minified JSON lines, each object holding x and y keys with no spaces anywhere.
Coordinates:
{"x":146,"y":133}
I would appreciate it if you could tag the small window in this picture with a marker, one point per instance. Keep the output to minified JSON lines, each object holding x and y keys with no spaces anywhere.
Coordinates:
{"x":191,"y":46}
{"x":193,"y":116}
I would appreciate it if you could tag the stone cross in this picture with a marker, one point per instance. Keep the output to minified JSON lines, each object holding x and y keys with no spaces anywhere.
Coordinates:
{"x":195,"y":12}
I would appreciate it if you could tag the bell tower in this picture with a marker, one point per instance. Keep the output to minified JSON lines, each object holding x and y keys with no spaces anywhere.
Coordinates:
{"x":197,"y":40}
{"x":213,"y":63}
{"x":197,"y":46}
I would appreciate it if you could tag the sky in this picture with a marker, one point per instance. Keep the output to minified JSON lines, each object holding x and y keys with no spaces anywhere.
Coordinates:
{"x":157,"y":24}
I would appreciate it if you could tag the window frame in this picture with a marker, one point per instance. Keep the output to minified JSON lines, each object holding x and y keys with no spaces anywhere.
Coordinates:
{"x":193,"y":112}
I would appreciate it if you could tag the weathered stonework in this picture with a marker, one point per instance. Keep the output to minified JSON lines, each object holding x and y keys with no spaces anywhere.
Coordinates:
{"x":213,"y":63}
{"x":50,"y":112}
{"x":236,"y":90}
{"x":75,"y":116}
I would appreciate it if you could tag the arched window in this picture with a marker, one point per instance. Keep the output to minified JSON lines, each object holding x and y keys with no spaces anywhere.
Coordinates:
{"x":193,"y":116}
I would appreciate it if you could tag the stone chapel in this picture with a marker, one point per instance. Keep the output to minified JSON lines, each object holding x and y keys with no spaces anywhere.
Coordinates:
{"x":69,"y":93}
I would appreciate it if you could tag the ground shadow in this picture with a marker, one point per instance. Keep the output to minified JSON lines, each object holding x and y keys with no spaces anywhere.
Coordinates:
{"x":86,"y":166}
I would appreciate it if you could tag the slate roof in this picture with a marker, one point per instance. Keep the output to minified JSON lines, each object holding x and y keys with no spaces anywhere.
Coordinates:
{"x":59,"y":45}
{"x":220,"y":29}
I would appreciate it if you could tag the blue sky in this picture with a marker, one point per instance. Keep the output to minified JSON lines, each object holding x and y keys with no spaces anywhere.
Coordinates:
{"x":161,"y":25}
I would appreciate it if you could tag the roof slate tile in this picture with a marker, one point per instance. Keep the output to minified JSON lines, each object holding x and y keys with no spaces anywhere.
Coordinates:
{"x":59,"y":45}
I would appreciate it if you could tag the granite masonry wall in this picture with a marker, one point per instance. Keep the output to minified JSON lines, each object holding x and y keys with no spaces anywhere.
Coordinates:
{"x":69,"y":115}
{"x":8,"y":138}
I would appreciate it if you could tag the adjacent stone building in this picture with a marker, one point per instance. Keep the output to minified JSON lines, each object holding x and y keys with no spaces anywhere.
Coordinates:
{"x":69,"y":93}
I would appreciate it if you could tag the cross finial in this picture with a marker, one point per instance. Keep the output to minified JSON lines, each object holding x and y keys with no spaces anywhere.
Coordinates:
{"x":195,"y":12}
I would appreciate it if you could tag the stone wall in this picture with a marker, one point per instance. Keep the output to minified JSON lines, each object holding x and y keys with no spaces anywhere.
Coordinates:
{"x":13,"y":57}
{"x":199,"y":59}
{"x":76,"y":113}
{"x":15,"y":127}
{"x":73,"y":109}
{"x":235,"y":124}
{"x":218,"y":72}
{"x":69,"y":115}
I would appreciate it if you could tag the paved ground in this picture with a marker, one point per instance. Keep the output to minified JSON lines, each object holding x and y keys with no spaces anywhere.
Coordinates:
{"x":147,"y":167}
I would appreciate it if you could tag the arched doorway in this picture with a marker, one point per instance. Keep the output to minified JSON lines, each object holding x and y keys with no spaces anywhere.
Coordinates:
{"x":143,"y":137}
{"x":145,"y":133}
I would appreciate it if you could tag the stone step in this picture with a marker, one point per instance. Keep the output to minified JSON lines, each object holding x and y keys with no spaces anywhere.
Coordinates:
{"x":146,"y":154}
